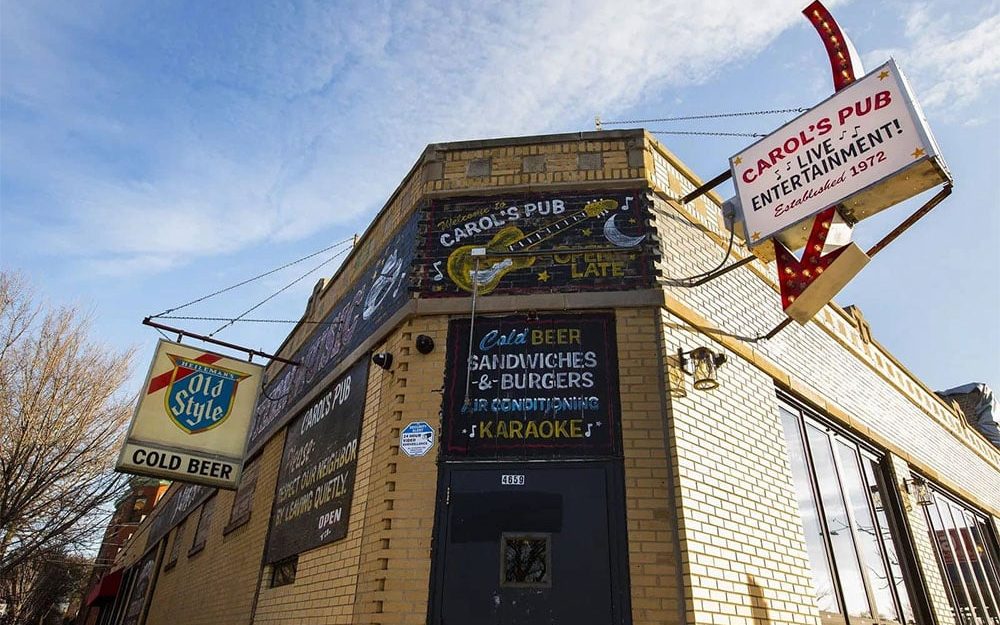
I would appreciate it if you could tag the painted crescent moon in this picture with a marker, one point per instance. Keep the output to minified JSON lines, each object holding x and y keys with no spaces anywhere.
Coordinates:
{"x":613,"y":234}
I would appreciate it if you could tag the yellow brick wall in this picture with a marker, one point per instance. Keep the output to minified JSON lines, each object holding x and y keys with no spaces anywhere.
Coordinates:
{"x":395,"y":565}
{"x":216,"y":585}
{"x":653,"y":550}
{"x":741,"y":533}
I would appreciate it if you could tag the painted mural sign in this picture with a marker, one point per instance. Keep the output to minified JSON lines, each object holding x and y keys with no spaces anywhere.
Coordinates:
{"x":856,"y":139}
{"x":539,"y":242}
{"x":145,"y":577}
{"x":532,"y":386}
{"x":176,"y":509}
{"x":312,"y":504}
{"x":367,"y":306}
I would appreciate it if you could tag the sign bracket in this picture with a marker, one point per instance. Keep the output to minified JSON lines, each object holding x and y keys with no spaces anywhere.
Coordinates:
{"x":708,"y":186}
{"x":201,"y":337}
{"x":912,"y":219}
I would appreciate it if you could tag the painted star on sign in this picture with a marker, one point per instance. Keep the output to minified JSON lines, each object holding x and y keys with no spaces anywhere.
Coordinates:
{"x":883,"y":74}
{"x":544,"y":276}
{"x":586,"y":232}
{"x":737,"y":160}
{"x":918,"y":153}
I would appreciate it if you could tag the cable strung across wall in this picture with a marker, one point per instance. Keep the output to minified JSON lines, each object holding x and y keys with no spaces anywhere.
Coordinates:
{"x":707,"y":133}
{"x":257,"y":277}
{"x":230,"y":322}
{"x":708,"y":116}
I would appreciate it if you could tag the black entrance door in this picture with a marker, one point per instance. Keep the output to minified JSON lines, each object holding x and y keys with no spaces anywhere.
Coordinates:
{"x":530,"y":543}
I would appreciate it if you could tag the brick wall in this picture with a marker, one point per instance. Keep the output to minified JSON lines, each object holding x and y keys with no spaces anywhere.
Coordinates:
{"x":650,"y":496}
{"x":216,"y":585}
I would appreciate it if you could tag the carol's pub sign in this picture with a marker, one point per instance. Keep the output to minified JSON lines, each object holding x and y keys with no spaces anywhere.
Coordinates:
{"x":192,"y":418}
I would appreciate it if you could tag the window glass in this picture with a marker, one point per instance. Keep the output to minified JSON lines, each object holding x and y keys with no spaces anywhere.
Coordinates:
{"x":966,"y":552}
{"x":857,"y":572}
{"x":871,"y":472}
{"x":980,"y":564}
{"x":989,"y":556}
{"x":867,"y":532}
{"x":838,"y":525}
{"x":826,"y":596}
{"x":283,"y":571}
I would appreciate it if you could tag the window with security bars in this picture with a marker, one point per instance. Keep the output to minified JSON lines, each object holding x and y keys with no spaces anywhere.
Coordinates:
{"x":854,"y":556}
{"x":967,"y":555}
{"x":525,"y":560}
{"x":283,"y":571}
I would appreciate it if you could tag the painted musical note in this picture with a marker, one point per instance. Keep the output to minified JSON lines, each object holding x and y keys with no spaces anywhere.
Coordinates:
{"x":589,"y":426}
{"x":856,"y":130}
{"x":473,"y":433}
{"x":438,"y":277}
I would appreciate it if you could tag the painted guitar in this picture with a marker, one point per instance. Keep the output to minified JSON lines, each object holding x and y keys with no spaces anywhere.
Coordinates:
{"x":462,"y":265}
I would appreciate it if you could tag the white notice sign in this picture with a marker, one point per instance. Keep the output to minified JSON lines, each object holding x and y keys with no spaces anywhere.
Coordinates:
{"x":416,"y":439}
{"x":860,"y":136}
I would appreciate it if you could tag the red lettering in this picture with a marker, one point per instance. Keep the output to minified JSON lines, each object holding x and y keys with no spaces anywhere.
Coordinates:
{"x":793,"y":142}
{"x":749,"y":176}
{"x":824,"y":126}
{"x":775,"y":155}
{"x":844,"y":113}
{"x":882,"y":99}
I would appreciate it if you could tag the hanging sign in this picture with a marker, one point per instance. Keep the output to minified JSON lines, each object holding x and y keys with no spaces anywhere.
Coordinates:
{"x":866,"y":147}
{"x":544,"y":385}
{"x":193,"y":416}
{"x":312,"y":505}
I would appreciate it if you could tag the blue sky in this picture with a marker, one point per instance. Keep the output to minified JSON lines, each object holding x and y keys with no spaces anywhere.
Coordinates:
{"x":153,"y":152}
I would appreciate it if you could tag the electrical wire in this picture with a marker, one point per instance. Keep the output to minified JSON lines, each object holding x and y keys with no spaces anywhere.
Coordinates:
{"x":685,"y":281}
{"x":197,"y":318}
{"x":707,"y":133}
{"x":710,"y":116}
{"x":278,"y":292}
{"x":249,"y":280}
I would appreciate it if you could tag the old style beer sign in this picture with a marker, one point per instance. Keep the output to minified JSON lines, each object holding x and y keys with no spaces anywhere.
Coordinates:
{"x":532,"y":386}
{"x":867,"y":147}
{"x":192,"y":419}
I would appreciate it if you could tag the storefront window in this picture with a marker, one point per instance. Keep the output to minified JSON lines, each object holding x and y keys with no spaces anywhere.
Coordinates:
{"x":966,"y":554}
{"x":857,"y":575}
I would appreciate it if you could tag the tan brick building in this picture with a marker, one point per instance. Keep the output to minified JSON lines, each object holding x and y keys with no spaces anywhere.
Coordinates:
{"x":532,"y":451}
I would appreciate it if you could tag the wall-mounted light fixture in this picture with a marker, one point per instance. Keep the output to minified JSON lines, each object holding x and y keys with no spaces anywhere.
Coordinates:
{"x":382,"y":359}
{"x":701,"y":364}
{"x":920,"y":490}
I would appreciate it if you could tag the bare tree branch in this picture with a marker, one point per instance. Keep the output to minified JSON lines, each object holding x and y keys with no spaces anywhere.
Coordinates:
{"x":62,"y":419}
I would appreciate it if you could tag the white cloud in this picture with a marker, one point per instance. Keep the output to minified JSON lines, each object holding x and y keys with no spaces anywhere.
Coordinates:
{"x":276,"y":126}
{"x":952,"y":65}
